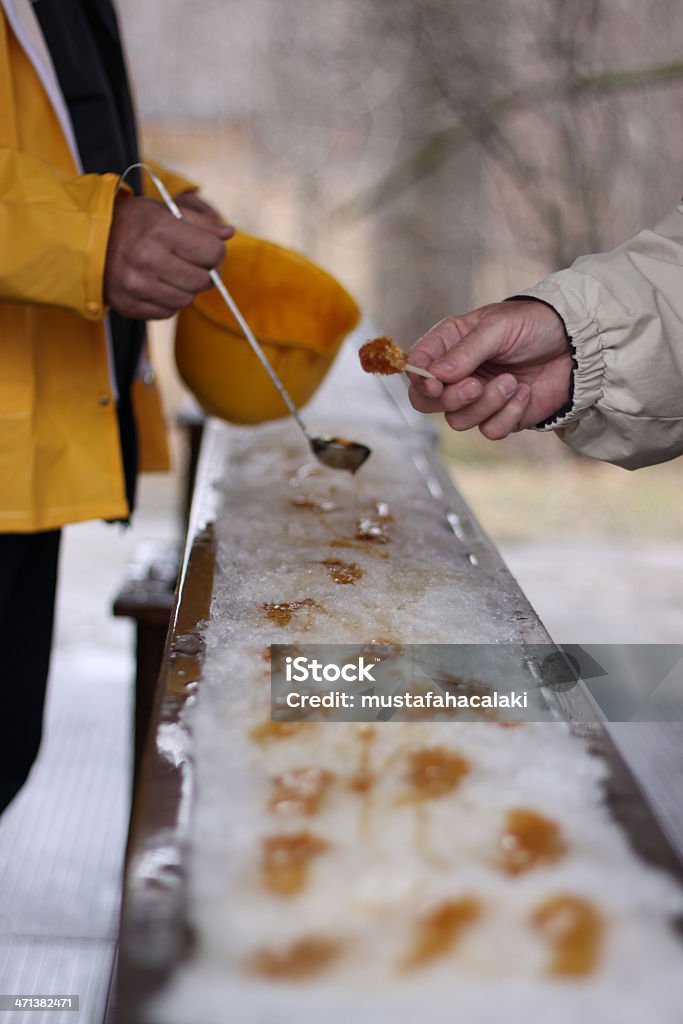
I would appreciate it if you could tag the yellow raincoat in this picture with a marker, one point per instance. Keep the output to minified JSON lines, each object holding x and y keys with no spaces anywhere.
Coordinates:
{"x":60,"y":458}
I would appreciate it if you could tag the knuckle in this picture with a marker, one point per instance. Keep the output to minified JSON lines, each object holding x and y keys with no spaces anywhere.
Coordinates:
{"x":452,"y":402}
{"x":151,"y":249}
{"x":131,"y":280}
{"x":493,"y":431}
{"x":145,"y":258}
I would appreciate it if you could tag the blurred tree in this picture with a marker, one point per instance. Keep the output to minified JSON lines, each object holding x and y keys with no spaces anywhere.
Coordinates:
{"x":555,"y":102}
{"x":481,"y":143}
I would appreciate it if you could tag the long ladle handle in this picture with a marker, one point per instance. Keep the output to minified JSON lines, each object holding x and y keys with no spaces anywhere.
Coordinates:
{"x":258,"y":351}
{"x":231,"y":304}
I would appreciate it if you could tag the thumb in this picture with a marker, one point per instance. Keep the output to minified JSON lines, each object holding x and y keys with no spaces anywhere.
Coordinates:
{"x":222,"y":231}
{"x":200,"y":213}
{"x":210,"y":224}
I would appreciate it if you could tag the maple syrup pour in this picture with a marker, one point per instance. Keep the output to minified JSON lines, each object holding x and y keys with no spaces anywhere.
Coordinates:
{"x":574,"y":929}
{"x":316,"y":504}
{"x":301,"y":791}
{"x":529,"y":840}
{"x":435,"y":771}
{"x":286,"y":859}
{"x":382,"y":355}
{"x":302,"y":959}
{"x":275,"y":731}
{"x":343,"y":572}
{"x":438,"y":932}
{"x":282,"y":612}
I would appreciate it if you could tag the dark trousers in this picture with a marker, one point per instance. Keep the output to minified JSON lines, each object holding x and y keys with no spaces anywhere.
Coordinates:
{"x":28,"y":581}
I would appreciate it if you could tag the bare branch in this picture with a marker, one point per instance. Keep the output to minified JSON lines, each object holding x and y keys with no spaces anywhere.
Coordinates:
{"x":442,"y":144}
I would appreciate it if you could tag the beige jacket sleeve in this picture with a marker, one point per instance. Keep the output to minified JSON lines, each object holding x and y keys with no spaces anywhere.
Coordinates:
{"x":623,"y":311}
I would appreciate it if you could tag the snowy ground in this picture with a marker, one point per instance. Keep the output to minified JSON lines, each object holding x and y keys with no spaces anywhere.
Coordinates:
{"x":587,"y":592}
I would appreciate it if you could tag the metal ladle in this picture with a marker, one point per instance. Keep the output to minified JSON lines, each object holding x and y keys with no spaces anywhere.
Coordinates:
{"x":334,"y":452}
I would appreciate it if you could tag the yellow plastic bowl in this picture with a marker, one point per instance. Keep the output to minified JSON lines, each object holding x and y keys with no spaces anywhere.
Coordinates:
{"x":299,"y":313}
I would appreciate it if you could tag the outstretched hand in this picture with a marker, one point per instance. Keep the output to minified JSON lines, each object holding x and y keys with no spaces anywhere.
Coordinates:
{"x":500,"y":368}
{"x":156,"y":264}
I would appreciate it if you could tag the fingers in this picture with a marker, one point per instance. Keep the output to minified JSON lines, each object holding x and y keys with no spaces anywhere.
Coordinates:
{"x":425,"y":393}
{"x":155,"y":263}
{"x":451,"y":398}
{"x":434,"y":346}
{"x":191,"y":203}
{"x":192,"y":243}
{"x":198,"y":212}
{"x":441,"y":338}
{"x":510,"y":418}
{"x":140,"y":287}
{"x":207,"y":223}
{"x":479,"y":360}
{"x":483,"y":343}
{"x":167,"y":296}
{"x":184,"y":275}
{"x":191,"y":200}
{"x":149,"y":311}
{"x":493,"y":398}
{"x":499,"y":411}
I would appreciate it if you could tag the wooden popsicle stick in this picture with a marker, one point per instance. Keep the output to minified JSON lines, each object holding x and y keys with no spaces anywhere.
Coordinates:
{"x":419,"y":371}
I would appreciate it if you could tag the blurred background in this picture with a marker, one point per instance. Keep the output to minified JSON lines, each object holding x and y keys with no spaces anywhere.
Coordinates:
{"x":437,"y":155}
{"x":434,"y":155}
